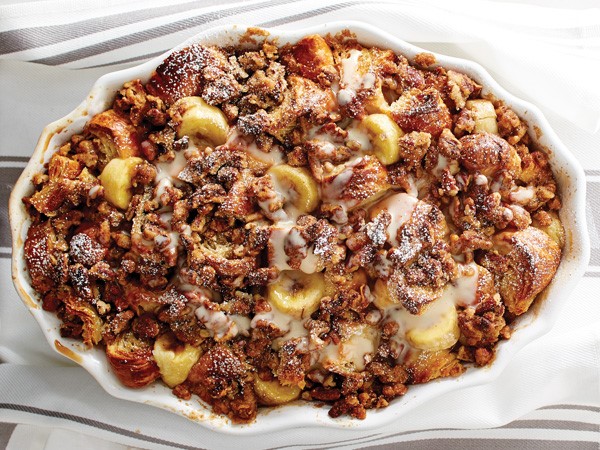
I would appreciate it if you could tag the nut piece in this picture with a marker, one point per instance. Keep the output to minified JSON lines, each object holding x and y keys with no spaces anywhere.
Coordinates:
{"x":272,"y":393}
{"x":199,"y":120}
{"x":174,"y":359}
{"x":384,"y":135}
{"x":116,"y":179}
{"x":297,"y":293}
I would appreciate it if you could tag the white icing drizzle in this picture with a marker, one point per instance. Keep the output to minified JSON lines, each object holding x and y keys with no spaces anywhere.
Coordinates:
{"x":352,"y":352}
{"x":285,"y":234}
{"x":496,"y":185}
{"x":332,"y":189}
{"x":352,"y":80}
{"x":481,"y":180}
{"x":289,"y":213}
{"x":217,"y":322}
{"x":292,"y":327}
{"x":442,"y":163}
{"x":315,"y":133}
{"x":463,"y":290}
{"x":335,"y":87}
{"x":171,"y":169}
{"x":400,"y":207}
{"x":247,"y":144}
{"x":357,"y":133}
{"x":93,"y":192}
{"x":432,"y":315}
{"x":413,"y":189}
{"x":522,"y":195}
{"x":242,"y":323}
{"x":167,"y":173}
{"x":277,"y":256}
{"x":345,"y":96}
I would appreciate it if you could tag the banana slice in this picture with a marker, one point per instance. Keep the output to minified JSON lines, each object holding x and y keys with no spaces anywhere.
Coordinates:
{"x":198,"y":119}
{"x":376,"y":103}
{"x":297,"y":185}
{"x":382,"y":298}
{"x":384,"y":134}
{"x":116,"y":179}
{"x":484,"y":115}
{"x":436,"y":328}
{"x":297,"y":293}
{"x":272,"y":393}
{"x":174,"y":359}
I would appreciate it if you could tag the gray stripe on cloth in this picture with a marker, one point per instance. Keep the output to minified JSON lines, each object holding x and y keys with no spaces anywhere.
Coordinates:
{"x":29,"y":38}
{"x":151,"y":33}
{"x":128,"y":60}
{"x":553,"y":425}
{"x":8,"y":178}
{"x":573,"y":407}
{"x":309,"y":14}
{"x":329,"y":444}
{"x":478,"y":444}
{"x":14,"y":159}
{"x":592,"y":196}
{"x":592,"y":173}
{"x":516,"y":425}
{"x":94,"y":424}
{"x":6,"y":430}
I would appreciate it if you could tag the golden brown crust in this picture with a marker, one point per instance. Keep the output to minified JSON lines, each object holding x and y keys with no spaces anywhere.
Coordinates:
{"x":528,"y":261}
{"x":424,"y":111}
{"x":118,"y":136}
{"x":131,"y":360}
{"x":487,"y":153}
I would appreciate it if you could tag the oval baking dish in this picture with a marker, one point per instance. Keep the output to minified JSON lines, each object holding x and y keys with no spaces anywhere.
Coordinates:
{"x":539,"y":320}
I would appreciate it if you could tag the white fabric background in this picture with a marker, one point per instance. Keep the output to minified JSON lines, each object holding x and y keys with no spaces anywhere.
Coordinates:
{"x":547,"y":55}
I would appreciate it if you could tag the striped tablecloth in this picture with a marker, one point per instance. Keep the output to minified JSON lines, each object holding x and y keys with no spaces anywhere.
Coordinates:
{"x":52,"y":51}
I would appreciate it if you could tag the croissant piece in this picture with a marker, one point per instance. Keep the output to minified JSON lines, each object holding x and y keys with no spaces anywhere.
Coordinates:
{"x":418,"y":110}
{"x":529,"y":260}
{"x":132,"y":361}
{"x":118,"y":136}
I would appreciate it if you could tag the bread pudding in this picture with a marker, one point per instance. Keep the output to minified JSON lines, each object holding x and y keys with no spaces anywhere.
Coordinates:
{"x":321,"y":221}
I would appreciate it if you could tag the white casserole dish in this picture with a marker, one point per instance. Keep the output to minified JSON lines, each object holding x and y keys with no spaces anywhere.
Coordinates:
{"x":538,"y":321}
